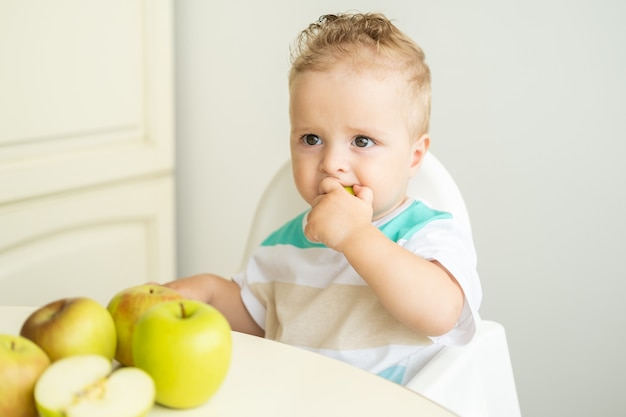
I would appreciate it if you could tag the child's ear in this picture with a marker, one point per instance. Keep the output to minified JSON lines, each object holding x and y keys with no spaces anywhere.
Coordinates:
{"x":418,"y":151}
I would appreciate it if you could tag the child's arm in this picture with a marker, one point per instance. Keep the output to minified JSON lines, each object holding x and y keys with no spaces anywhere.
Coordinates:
{"x":419,"y":293}
{"x":222,"y":294}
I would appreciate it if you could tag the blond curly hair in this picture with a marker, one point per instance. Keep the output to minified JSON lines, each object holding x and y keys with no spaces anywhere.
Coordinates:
{"x":370,"y":41}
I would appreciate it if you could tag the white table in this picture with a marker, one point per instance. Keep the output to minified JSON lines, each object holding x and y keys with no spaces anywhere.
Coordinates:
{"x":267,"y":378}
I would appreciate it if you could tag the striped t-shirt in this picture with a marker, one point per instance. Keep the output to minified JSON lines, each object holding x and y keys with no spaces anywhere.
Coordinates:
{"x":308,"y":295}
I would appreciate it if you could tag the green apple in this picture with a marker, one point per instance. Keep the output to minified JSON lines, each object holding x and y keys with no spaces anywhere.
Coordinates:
{"x":72,"y":326}
{"x":21,"y":363}
{"x":127,"y":306}
{"x":186,"y":347}
{"x":349,"y":189}
{"x":88,"y":386}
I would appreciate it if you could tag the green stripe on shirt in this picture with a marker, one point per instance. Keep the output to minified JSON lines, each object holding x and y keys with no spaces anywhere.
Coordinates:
{"x":291,"y":234}
{"x":407,"y":223}
{"x":403,"y":226}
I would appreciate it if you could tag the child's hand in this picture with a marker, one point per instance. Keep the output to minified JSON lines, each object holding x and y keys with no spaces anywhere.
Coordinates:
{"x":336,"y":214}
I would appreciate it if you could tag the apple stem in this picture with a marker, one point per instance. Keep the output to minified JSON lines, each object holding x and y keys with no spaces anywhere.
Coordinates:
{"x":182,"y":310}
{"x":12,"y":344}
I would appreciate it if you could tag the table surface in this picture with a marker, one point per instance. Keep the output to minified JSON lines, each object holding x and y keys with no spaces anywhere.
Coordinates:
{"x":267,"y":378}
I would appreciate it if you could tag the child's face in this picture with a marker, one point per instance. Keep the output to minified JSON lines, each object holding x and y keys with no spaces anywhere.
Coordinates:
{"x":355,"y":128}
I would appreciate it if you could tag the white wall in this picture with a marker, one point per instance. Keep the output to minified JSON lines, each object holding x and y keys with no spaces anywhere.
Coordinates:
{"x":529,"y":114}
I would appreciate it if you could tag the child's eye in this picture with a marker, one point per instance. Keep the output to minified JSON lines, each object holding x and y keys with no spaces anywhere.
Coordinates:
{"x":362,"y":142}
{"x":311,"y":140}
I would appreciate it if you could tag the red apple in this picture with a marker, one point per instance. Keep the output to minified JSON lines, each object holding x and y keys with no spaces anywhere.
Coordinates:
{"x":21,"y":364}
{"x":72,"y":326}
{"x":127,"y":306}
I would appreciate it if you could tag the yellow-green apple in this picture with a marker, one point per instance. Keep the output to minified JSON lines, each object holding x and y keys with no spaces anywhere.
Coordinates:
{"x":127,"y":306}
{"x":88,"y":386}
{"x":72,"y":326}
{"x":21,"y":363}
{"x":186,"y":348}
{"x":349,"y":189}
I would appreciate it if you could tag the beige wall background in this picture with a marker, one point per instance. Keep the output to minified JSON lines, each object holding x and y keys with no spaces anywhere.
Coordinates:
{"x":529,"y":115}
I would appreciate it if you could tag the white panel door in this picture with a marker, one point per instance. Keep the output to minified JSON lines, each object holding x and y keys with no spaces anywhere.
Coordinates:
{"x":86,"y":148}
{"x":86,"y":93}
{"x":91,"y":243}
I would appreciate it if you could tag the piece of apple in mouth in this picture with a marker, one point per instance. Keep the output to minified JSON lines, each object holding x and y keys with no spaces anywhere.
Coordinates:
{"x":89,"y":386}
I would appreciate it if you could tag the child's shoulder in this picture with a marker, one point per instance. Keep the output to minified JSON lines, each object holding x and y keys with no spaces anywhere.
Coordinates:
{"x":410,"y":218}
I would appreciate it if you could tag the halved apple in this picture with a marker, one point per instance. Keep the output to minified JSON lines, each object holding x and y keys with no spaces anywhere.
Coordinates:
{"x":88,"y":386}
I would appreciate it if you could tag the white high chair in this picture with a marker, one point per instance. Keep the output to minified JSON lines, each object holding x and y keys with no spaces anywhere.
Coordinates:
{"x":475,"y":380}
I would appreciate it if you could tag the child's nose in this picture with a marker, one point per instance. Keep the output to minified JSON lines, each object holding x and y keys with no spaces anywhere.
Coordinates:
{"x":334,"y":161}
